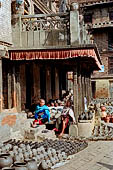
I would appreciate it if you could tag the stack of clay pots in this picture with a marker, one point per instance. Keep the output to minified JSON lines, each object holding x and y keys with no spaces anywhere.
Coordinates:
{"x":102,"y":133}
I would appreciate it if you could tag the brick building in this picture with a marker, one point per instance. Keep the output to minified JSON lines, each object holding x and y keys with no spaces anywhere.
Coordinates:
{"x":98,"y":18}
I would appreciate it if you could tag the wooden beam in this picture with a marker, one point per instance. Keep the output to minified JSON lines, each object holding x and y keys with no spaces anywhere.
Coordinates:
{"x":23,"y":85}
{"x":1,"y":95}
{"x":18,"y":88}
{"x":14,"y":101}
{"x":9,"y":89}
{"x":56,"y":83}
{"x":48,"y":84}
{"x":79,"y":90}
{"x":75,"y":93}
{"x":36,"y":80}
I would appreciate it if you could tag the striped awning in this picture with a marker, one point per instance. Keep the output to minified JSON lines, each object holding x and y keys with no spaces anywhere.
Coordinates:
{"x":54,"y":54}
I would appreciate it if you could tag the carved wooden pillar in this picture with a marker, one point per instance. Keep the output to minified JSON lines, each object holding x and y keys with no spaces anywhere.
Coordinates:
{"x":79,"y":90}
{"x":87,"y":88}
{"x":75,"y":93}
{"x":14,"y":101}
{"x":90,"y":91}
{"x":18,"y":88}
{"x":83,"y":90}
{"x":1,"y":88}
{"x":56,"y":83}
{"x":23,"y":85}
{"x":48,"y":84}
{"x":9,"y":87}
{"x":36,"y":80}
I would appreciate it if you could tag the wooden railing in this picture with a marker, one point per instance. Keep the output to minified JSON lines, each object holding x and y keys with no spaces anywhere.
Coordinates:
{"x":41,"y":30}
{"x":46,"y":30}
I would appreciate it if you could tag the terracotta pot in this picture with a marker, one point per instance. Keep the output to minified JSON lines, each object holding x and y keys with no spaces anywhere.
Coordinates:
{"x":111,"y":119}
{"x":103,"y":118}
{"x":107,"y":119}
{"x":20,"y":166}
{"x":103,"y":108}
{"x":104,"y":114}
{"x":5,"y":160}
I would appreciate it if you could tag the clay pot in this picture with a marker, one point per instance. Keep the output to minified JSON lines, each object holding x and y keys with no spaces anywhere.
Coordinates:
{"x":31,"y":164}
{"x":104,"y":114}
{"x":20,"y":166}
{"x":5,"y":160}
{"x":103,"y":108}
{"x":107,"y":119}
{"x":111,"y":119}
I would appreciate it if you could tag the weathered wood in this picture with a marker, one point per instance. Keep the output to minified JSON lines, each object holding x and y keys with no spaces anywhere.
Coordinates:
{"x":23,"y":85}
{"x":1,"y":95}
{"x":83,"y":91}
{"x":79,"y":90}
{"x":36,"y":80}
{"x":9,"y":90}
{"x":56,"y":83}
{"x":48,"y":84}
{"x":14,"y":101}
{"x":90,"y":90}
{"x":18,"y":88}
{"x":75,"y":93}
{"x":43,"y":15}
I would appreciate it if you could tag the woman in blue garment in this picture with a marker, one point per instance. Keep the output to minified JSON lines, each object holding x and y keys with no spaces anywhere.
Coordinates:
{"x":42,"y":114}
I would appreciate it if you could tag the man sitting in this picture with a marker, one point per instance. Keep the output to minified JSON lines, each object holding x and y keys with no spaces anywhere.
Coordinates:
{"x":42,"y":114}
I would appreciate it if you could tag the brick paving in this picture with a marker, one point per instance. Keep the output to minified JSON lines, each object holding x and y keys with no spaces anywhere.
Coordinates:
{"x":97,"y":156}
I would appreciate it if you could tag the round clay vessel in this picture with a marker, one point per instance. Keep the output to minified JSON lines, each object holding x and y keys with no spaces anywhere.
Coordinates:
{"x":103,"y":108}
{"x":20,"y":166}
{"x":5,"y":160}
{"x":31,"y":164}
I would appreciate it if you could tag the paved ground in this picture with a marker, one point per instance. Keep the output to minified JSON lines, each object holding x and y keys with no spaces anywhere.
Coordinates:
{"x":97,"y":156}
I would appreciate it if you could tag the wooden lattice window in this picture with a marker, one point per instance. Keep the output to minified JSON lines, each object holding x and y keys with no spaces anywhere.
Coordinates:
{"x":88,"y":18}
{"x":111,"y":15}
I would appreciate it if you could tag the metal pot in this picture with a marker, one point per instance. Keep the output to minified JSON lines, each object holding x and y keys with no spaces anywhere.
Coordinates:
{"x":5,"y":160}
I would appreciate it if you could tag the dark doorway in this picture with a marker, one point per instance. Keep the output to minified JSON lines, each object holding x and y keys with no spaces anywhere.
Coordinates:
{"x":93,"y":84}
{"x":43,"y":83}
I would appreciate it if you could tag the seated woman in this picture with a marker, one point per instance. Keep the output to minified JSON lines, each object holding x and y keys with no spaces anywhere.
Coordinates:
{"x":66,"y":116}
{"x":42,"y":114}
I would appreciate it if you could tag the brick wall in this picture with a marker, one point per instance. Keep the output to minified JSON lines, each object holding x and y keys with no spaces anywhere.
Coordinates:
{"x":104,"y":59}
{"x":102,"y":88}
{"x":5,"y":21}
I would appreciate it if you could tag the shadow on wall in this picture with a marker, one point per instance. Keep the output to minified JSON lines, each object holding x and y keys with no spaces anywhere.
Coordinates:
{"x":110,"y":167}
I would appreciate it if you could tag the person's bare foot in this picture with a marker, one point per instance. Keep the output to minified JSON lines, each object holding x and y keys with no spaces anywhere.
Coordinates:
{"x":60,"y":136}
{"x":34,"y":125}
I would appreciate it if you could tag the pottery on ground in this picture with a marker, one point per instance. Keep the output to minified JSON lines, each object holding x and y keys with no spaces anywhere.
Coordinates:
{"x":5,"y":160}
{"x":20,"y":166}
{"x":31,"y":164}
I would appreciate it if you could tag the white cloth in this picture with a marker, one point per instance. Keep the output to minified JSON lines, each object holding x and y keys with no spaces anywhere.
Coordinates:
{"x":68,"y":111}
